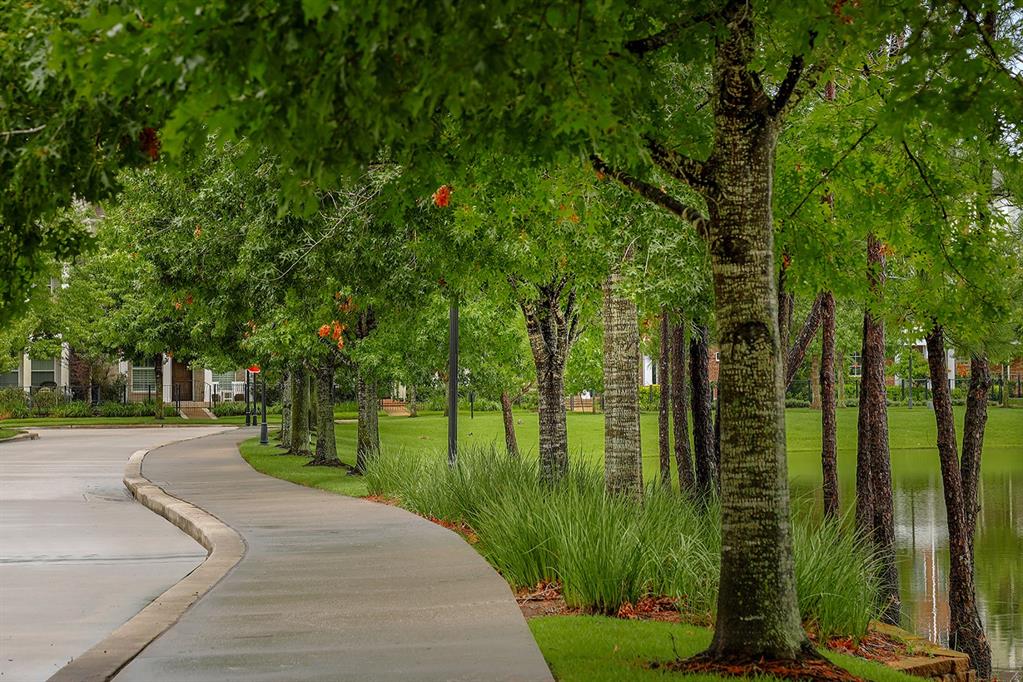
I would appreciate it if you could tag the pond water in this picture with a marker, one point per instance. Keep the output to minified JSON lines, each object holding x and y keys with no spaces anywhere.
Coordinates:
{"x":921,"y":532}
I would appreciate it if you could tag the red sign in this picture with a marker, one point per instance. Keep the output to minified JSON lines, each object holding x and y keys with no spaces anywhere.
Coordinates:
{"x":254,"y":369}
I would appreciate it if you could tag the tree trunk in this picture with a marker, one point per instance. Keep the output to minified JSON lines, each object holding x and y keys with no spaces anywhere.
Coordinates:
{"x":664,"y":403}
{"x":285,"y":434}
{"x":679,"y":417}
{"x":841,"y":379}
{"x":511,"y":444}
{"x":797,"y":351}
{"x":829,"y":436}
{"x":703,"y":423}
{"x":1005,"y":384}
{"x":326,"y":444}
{"x":757,"y":610}
{"x":623,"y":460}
{"x":966,"y":632}
{"x":158,"y":380}
{"x":815,"y":383}
{"x":551,"y":327}
{"x":299,"y":411}
{"x":973,"y":438}
{"x":413,"y":408}
{"x":786,"y":306}
{"x":368,"y":438}
{"x":873,"y":457}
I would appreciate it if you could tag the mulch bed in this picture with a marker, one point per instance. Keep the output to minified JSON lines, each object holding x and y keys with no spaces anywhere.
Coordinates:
{"x":811,"y":668}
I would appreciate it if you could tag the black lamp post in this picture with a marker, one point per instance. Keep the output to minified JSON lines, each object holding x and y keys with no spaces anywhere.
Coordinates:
{"x":248,"y":415}
{"x":263,"y":436}
{"x":453,"y":382}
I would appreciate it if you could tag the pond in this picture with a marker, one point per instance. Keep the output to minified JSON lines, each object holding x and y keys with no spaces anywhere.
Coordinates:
{"x":921,"y":533}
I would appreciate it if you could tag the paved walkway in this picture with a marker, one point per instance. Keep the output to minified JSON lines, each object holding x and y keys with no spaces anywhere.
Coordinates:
{"x":78,"y":556}
{"x":331,"y":588}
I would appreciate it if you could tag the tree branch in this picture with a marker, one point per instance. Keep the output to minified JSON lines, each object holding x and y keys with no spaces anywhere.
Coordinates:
{"x":797,"y":82}
{"x":658,"y":196}
{"x":797,"y":351}
{"x":7,"y":134}
{"x":831,"y":170}
{"x":679,"y":166}
{"x":667,"y":35}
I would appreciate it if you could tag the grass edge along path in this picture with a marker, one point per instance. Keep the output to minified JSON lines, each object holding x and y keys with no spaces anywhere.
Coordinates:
{"x":577,"y":647}
{"x":9,"y":433}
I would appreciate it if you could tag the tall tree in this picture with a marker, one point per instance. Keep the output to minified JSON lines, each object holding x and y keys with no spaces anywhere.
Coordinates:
{"x":829,"y":437}
{"x":664,"y":402}
{"x":679,"y":407}
{"x":966,"y":632}
{"x":623,"y":460}
{"x":704,"y":451}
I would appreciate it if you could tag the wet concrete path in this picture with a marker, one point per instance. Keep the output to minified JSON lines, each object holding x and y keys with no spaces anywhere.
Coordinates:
{"x":331,"y":588}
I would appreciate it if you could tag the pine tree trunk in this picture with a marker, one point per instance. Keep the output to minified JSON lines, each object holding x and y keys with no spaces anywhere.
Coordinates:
{"x":829,"y":436}
{"x":757,"y":611}
{"x":966,"y":632}
{"x":551,"y":326}
{"x":872,"y":446}
{"x":815,"y":383}
{"x":664,"y":403}
{"x":623,"y":461}
{"x":285,"y":434}
{"x":703,"y":423}
{"x":1005,"y":385}
{"x":864,"y":487}
{"x":326,"y":444}
{"x":679,"y":416}
{"x":299,"y":412}
{"x":158,"y":380}
{"x":511,"y":444}
{"x":842,"y":369}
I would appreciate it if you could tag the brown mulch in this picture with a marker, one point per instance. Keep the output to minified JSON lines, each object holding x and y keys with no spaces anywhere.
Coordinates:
{"x":810,"y":668}
{"x":874,"y":646}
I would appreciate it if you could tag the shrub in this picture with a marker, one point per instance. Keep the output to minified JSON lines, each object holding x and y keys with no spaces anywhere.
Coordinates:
{"x":650,"y":398}
{"x":74,"y":408}
{"x":796,"y":402}
{"x":608,"y":550}
{"x":228,"y":409}
{"x":143,"y":409}
{"x":13,"y":403}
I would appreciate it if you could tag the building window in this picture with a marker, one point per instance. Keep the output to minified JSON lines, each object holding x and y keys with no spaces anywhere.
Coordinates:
{"x":43,"y":372}
{"x":855,"y":369}
{"x":8,"y":379}
{"x":143,"y":379}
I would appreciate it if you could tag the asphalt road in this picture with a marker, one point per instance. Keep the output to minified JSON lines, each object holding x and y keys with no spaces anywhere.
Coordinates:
{"x":78,"y":557}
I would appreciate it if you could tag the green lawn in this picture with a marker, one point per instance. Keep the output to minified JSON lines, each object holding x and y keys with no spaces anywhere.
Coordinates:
{"x":599,"y":649}
{"x":267,"y":459}
{"x":8,"y":433}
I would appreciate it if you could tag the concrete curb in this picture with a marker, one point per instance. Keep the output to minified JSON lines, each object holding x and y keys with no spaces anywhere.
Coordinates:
{"x":27,"y":435}
{"x":226,"y":548}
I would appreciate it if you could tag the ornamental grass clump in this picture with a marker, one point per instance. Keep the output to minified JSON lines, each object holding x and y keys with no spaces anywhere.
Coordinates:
{"x":608,"y":550}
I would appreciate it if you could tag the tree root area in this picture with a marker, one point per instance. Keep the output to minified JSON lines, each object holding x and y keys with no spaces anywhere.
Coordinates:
{"x":333,"y":463}
{"x":809,"y":668}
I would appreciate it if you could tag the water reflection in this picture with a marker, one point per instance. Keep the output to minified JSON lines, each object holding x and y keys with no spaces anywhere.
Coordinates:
{"x":922,"y":546}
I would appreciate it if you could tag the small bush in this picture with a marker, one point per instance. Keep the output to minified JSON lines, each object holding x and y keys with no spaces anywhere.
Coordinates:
{"x":796,"y":402}
{"x":143,"y":409}
{"x":74,"y":408}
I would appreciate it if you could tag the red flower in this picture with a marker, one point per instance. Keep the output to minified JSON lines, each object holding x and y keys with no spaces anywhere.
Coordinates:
{"x":324,"y":330}
{"x":149,"y":143}
{"x":340,"y":344}
{"x":442,"y":197}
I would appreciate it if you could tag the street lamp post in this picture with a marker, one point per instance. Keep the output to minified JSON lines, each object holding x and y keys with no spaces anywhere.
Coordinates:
{"x":453,"y":382}
{"x":248,"y":415}
{"x":263,"y":435}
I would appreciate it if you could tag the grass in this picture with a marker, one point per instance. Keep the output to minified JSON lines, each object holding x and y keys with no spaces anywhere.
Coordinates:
{"x":8,"y":433}
{"x":601,"y":649}
{"x":269,"y":460}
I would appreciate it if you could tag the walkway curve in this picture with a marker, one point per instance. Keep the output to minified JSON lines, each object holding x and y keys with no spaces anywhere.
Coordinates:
{"x":330,"y":588}
{"x":225,"y":547}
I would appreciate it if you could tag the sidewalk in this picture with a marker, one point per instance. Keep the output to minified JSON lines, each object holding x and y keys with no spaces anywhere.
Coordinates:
{"x":331,"y":588}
